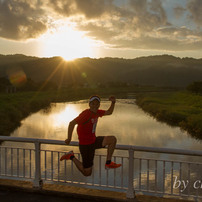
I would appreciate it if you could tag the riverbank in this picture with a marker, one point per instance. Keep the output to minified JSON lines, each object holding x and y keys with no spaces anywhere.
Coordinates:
{"x":181,"y":109}
{"x":15,"y":107}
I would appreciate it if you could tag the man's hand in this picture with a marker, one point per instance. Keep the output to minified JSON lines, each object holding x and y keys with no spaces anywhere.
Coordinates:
{"x":70,"y":131}
{"x":67,"y":141}
{"x":111,"y":108}
{"x":112,"y":99}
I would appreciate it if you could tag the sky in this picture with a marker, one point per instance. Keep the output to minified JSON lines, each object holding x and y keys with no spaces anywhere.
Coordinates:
{"x":101,"y":28}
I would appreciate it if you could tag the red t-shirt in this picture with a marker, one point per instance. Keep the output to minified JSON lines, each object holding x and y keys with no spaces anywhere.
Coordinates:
{"x":87,"y":122}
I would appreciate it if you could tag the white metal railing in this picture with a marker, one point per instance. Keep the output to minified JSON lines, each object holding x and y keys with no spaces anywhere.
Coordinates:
{"x":147,"y":170}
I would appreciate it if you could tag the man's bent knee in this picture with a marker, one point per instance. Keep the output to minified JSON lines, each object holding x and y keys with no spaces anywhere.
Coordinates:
{"x":87,"y":171}
{"x":109,"y":140}
{"x":112,"y":139}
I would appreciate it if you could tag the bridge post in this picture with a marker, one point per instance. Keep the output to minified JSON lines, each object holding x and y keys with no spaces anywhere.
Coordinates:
{"x":37,"y":180}
{"x":130,"y":194}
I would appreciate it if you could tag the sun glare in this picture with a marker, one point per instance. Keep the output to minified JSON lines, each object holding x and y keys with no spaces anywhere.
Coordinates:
{"x":63,"y":118}
{"x":67,"y":43}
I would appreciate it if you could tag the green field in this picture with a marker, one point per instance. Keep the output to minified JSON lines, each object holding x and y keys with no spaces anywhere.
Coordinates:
{"x":182,"y":109}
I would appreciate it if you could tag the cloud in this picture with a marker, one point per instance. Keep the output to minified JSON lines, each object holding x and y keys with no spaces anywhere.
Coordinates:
{"x":145,"y":26}
{"x":21,"y":19}
{"x":156,"y":43}
{"x":179,"y":32}
{"x":148,"y":15}
{"x":137,"y":21}
{"x":24,"y":19}
{"x":127,"y":29}
{"x":135,"y":24}
{"x":62,"y":8}
{"x":93,"y":8}
{"x":89,"y":8}
{"x":195,"y":8}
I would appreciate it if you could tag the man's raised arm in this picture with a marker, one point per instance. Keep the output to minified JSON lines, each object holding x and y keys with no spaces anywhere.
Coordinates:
{"x":111,"y":108}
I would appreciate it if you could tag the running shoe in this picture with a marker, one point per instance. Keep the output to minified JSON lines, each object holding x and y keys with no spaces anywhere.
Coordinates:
{"x":112,"y":165}
{"x":67,"y":156}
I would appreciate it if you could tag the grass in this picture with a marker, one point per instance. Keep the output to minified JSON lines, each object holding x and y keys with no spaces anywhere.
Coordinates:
{"x":182,"y":109}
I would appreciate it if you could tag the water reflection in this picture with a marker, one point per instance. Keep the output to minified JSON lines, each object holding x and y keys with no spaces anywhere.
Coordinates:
{"x":128,"y":123}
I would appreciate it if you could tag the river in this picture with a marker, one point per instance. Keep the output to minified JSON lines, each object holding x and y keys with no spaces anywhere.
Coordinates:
{"x":130,"y":124}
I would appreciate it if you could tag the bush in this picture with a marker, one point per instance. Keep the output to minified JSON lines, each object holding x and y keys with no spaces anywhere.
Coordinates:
{"x":195,"y":87}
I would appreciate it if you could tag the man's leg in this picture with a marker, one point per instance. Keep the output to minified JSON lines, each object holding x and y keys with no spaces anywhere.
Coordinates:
{"x":79,"y":165}
{"x":85,"y":171}
{"x":109,"y":141}
{"x":87,"y":153}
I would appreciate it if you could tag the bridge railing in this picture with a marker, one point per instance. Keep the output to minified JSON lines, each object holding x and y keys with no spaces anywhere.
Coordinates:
{"x":146,"y":170}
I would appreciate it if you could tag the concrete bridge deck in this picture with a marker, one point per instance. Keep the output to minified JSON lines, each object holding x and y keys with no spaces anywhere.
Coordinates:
{"x":22,"y":191}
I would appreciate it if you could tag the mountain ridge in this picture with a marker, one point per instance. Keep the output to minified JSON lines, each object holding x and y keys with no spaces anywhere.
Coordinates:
{"x":163,"y":70}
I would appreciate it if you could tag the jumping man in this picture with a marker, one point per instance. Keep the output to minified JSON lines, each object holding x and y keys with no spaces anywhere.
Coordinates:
{"x":88,"y":142}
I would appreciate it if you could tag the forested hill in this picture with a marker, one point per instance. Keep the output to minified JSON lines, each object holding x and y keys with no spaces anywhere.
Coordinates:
{"x":162,"y":70}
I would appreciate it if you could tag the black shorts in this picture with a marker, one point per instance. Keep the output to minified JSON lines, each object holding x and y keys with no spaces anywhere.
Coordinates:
{"x":88,"y":151}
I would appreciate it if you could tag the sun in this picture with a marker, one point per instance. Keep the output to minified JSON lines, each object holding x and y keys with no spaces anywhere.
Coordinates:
{"x":68,"y":43}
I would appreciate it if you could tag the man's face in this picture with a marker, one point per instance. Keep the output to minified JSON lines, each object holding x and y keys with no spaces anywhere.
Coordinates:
{"x":94,"y":105}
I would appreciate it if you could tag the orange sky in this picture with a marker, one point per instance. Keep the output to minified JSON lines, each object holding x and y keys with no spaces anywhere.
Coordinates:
{"x":101,"y":28}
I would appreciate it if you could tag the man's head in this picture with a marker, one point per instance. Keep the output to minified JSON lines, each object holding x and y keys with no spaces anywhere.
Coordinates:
{"x":94,"y":103}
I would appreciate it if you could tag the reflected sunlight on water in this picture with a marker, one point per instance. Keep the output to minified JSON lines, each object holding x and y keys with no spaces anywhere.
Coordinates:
{"x":128,"y":123}
{"x":61,"y":119}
